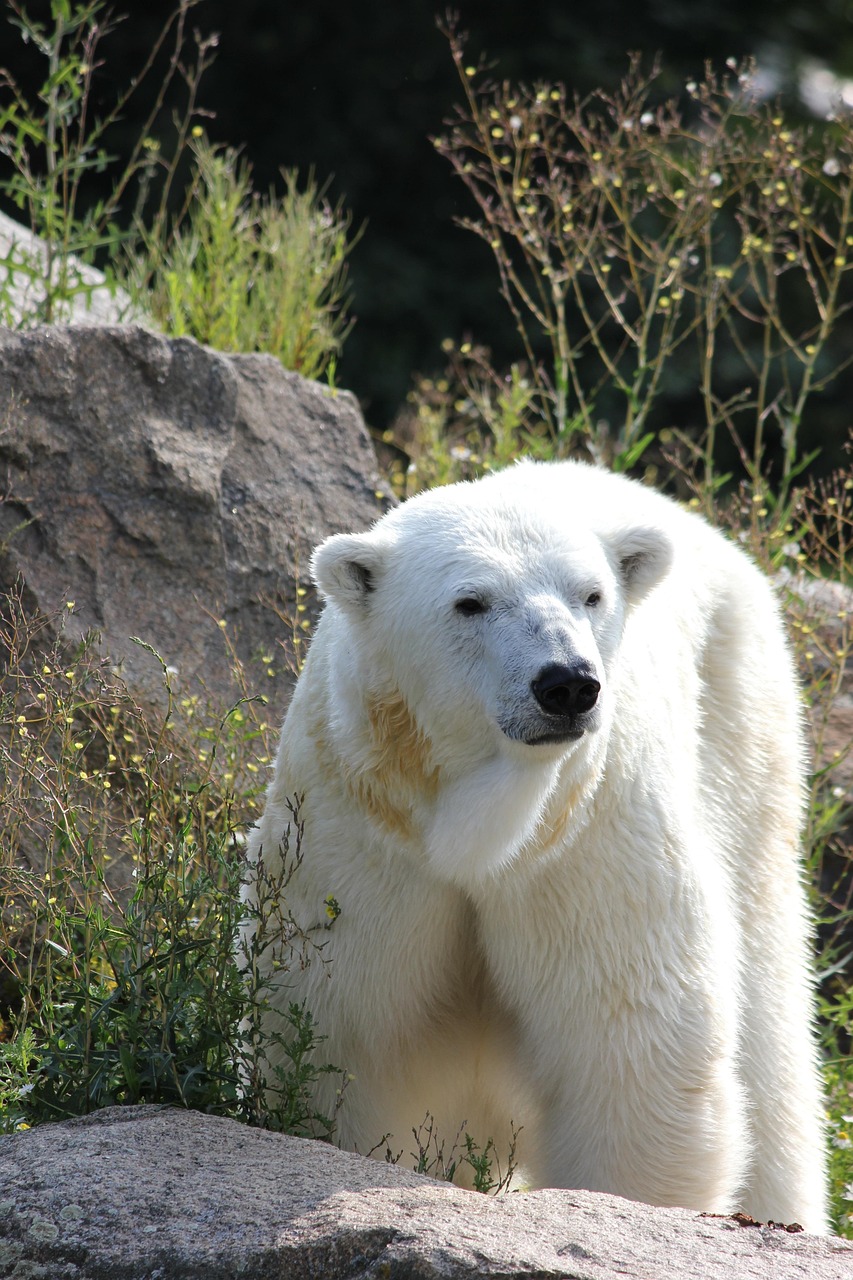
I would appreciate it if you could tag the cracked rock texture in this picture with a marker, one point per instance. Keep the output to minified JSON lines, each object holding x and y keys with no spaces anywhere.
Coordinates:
{"x":149,"y":1193}
{"x":162,"y":487}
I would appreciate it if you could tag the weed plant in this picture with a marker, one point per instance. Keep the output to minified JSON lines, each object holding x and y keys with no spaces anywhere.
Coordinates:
{"x":435,"y":1157}
{"x":640,"y":246}
{"x":126,"y":976}
{"x":51,"y":146}
{"x":235,"y":270}
{"x":244,"y":273}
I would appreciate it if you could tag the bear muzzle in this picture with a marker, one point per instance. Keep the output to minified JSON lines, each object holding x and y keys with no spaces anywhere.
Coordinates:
{"x":567,"y":695}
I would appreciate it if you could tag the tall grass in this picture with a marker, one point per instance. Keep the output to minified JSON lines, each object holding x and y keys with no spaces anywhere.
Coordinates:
{"x":123,"y":971}
{"x":53,"y":143}
{"x":242,"y":272}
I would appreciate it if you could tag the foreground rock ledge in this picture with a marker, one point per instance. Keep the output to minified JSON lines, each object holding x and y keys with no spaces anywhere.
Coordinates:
{"x":150,"y":1193}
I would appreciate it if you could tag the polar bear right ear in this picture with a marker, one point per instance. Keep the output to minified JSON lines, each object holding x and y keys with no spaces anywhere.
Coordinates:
{"x":644,"y":554}
{"x":347,"y":566}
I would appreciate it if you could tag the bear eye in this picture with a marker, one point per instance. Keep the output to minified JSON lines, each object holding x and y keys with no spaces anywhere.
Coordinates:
{"x":593,"y":599}
{"x":469,"y":605}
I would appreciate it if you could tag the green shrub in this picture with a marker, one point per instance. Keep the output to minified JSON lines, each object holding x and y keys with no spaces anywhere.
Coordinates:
{"x":121,"y":865}
{"x":50,"y":147}
{"x":642,"y":247}
{"x":245,"y":273}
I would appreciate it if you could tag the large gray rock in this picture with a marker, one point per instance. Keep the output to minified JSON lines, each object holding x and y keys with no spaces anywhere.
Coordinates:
{"x":147,"y":1193}
{"x":163,"y":487}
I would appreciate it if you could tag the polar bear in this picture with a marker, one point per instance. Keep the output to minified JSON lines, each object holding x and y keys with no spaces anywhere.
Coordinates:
{"x":547,"y":750}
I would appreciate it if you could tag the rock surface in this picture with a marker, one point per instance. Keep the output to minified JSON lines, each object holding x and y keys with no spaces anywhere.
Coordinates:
{"x":148,"y":1193}
{"x":23,"y":268}
{"x":163,"y":487}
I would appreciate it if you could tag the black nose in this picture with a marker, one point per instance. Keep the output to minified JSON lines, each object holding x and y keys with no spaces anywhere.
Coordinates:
{"x":565,"y":691}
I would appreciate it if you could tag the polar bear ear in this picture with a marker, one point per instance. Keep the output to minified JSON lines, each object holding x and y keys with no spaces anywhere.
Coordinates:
{"x":644,"y":554}
{"x":347,"y":566}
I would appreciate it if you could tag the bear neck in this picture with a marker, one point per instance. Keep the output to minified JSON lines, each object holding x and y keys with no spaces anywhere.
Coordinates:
{"x":469,"y":819}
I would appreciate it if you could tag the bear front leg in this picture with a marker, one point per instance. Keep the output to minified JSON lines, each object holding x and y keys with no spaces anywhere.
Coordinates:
{"x":627,"y":1111}
{"x":629,"y":1040}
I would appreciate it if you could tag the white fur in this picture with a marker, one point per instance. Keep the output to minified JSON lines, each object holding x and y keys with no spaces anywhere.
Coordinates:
{"x":603,"y":939}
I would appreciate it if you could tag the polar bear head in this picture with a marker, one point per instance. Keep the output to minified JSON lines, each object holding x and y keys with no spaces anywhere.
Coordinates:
{"x":493,"y":608}
{"x":475,"y":630}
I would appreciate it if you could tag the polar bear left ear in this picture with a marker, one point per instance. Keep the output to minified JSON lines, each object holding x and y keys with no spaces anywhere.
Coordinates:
{"x":644,"y":554}
{"x":347,"y":566}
